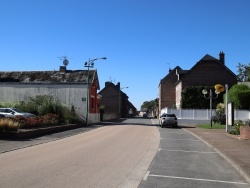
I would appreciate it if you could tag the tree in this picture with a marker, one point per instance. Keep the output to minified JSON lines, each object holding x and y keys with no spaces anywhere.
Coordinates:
{"x":244,"y":72}
{"x":240,"y":95}
{"x":192,"y":98}
{"x":149,"y":105}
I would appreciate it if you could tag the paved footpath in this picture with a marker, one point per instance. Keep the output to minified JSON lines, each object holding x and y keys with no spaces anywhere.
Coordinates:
{"x":234,"y":150}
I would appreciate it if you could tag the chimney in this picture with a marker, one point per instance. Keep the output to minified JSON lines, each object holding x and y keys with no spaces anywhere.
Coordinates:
{"x":107,"y":83}
{"x":222,"y":57}
{"x":62,"y":69}
{"x":169,"y":70}
{"x":118,"y":85}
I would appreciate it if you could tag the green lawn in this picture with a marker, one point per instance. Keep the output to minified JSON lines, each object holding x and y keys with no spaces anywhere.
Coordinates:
{"x":214,"y":126}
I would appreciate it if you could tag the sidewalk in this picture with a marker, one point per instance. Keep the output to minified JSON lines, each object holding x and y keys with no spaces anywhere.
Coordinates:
{"x":235,"y":151}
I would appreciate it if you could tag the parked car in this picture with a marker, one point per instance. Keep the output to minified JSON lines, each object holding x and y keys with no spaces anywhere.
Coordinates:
{"x":1,"y":115}
{"x":10,"y":112}
{"x":167,"y":119}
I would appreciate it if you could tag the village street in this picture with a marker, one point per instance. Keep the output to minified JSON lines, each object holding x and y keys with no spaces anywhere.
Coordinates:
{"x":104,"y":157}
{"x":134,"y":153}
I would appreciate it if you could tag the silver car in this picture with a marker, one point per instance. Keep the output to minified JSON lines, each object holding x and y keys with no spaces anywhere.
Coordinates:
{"x":167,"y":119}
{"x":11,"y":112}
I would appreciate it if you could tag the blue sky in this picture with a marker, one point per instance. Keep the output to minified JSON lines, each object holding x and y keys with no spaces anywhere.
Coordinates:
{"x":141,"y":39}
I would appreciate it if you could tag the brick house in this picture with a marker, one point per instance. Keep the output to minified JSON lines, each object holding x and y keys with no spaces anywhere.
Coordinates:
{"x":208,"y":71}
{"x":115,"y":101}
{"x":69,"y":87}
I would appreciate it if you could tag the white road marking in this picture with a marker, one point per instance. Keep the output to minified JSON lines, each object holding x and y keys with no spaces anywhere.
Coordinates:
{"x":181,"y":139}
{"x":146,"y":175}
{"x":196,"y":179}
{"x":174,"y":133}
{"x":187,"y":151}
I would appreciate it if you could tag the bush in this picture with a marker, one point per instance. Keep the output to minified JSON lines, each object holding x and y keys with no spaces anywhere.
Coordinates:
{"x":239,"y":94}
{"x":43,"y":105}
{"x":219,"y":117}
{"x":192,"y":98}
{"x":247,"y":123}
{"x":8,"y":125}
{"x":28,"y":122}
{"x":236,"y":127}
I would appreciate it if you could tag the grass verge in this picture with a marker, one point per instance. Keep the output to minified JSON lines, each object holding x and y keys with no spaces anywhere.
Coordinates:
{"x":214,"y":126}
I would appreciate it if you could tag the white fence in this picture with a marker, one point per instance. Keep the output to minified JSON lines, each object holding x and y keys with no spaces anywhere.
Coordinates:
{"x":203,"y":113}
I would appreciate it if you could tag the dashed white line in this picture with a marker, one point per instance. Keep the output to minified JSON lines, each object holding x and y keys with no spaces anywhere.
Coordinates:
{"x":195,"y":140}
{"x":195,"y":179}
{"x":174,"y":133}
{"x":187,"y":151}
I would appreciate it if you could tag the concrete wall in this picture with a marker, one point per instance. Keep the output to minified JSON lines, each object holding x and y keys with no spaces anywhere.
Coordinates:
{"x":109,"y":116}
{"x":66,"y":93}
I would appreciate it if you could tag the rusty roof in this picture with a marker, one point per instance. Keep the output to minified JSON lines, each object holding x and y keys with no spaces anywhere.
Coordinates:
{"x":69,"y":76}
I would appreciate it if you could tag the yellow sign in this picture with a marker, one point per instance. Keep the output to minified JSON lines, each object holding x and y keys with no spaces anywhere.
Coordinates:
{"x":219,"y":87}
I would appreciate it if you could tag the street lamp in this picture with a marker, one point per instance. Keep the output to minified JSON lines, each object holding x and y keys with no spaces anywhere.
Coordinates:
{"x":119,"y":102}
{"x":90,"y":64}
{"x":205,"y":92}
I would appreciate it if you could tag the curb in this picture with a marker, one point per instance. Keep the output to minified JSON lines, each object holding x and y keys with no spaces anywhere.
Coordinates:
{"x":26,"y":133}
{"x":229,"y":160}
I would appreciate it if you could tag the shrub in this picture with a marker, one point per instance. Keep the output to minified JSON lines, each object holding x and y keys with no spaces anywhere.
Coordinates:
{"x":50,"y":119}
{"x":41,"y":106}
{"x":8,"y":125}
{"x":247,"y":123}
{"x":192,"y":98}
{"x":219,"y":117}
{"x":236,"y":127}
{"x":38,"y":121}
{"x":239,"y":94}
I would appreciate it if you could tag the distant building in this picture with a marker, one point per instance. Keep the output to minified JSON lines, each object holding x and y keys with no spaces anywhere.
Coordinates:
{"x":208,"y":71}
{"x":116,"y":101}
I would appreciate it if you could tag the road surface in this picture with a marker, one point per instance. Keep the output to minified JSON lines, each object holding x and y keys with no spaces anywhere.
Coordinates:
{"x":110,"y":156}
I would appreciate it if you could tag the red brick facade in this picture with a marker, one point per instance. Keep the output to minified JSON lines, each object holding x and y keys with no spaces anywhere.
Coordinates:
{"x":167,"y":89}
{"x":208,"y":71}
{"x":94,"y":102}
{"x":115,"y":100}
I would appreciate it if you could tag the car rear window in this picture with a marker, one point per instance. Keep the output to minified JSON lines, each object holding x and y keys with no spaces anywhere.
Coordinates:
{"x":171,"y":115}
{"x":168,"y":115}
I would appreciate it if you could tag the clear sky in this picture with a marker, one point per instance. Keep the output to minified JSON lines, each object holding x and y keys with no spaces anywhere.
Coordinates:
{"x":141,"y":39}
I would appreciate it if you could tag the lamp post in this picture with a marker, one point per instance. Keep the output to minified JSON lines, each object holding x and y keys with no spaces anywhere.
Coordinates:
{"x":205,"y":92}
{"x":89,"y":64}
{"x":119,"y":102}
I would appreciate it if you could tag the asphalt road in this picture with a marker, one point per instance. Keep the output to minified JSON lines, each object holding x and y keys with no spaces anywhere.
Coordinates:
{"x":109,"y":156}
{"x":185,"y":161}
{"x":132,"y":153}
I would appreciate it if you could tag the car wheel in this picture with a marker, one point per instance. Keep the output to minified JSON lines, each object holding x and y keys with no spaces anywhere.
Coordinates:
{"x":175,"y":125}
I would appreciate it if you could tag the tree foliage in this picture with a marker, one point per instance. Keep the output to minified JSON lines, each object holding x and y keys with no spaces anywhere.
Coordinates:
{"x":149,"y":105}
{"x":240,"y":95}
{"x":192,"y":98}
{"x":244,"y":72}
